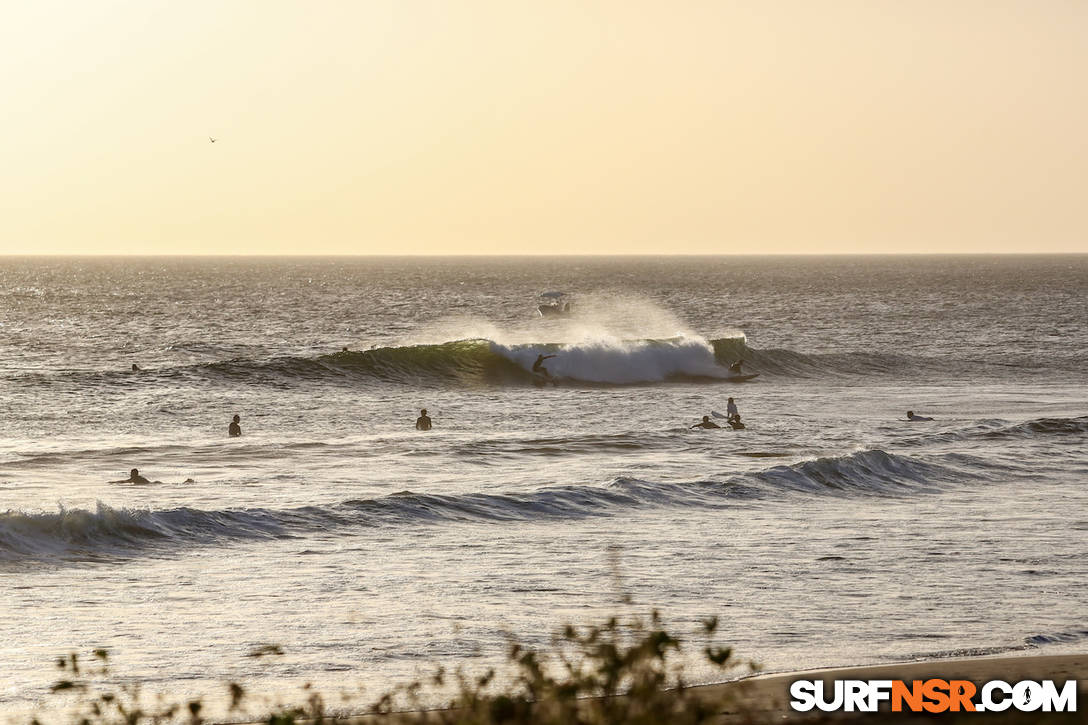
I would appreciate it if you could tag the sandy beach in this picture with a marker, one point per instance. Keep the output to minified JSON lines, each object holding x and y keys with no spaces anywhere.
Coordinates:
{"x":765,"y":698}
{"x":769,"y":694}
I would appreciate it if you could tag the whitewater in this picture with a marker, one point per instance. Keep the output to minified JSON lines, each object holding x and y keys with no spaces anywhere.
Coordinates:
{"x":830,"y":532}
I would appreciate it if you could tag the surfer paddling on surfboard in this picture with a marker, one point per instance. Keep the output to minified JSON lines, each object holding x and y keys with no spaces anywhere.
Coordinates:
{"x":133,"y":477}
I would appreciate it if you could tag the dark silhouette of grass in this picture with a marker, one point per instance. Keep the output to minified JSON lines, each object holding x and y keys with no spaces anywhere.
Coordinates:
{"x":622,"y":671}
{"x":615,"y":672}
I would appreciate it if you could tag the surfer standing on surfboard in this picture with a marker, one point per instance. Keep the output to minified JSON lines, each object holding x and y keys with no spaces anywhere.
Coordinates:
{"x":538,"y":366}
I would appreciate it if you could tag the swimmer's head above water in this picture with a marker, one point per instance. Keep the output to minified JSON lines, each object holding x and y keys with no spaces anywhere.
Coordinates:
{"x":133,"y":477}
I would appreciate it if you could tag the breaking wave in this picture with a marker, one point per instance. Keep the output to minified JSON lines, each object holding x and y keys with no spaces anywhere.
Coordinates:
{"x":486,"y":362}
{"x":105,"y":533}
{"x":483,"y":362}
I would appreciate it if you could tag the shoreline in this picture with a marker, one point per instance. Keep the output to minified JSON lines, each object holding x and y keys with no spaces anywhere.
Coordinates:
{"x":768,"y":694}
{"x":765,"y":697}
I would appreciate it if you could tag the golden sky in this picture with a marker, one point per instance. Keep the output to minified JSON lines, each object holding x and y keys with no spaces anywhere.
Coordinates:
{"x":555,"y":126}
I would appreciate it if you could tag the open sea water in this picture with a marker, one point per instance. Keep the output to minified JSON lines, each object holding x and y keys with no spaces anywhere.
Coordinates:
{"x":830,"y":532}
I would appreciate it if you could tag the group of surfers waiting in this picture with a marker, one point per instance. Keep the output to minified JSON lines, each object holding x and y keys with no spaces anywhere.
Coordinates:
{"x":424,"y":423}
{"x":732,"y":418}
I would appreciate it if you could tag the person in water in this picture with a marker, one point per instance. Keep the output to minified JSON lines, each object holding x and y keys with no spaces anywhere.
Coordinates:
{"x":538,"y":366}
{"x":135,"y":368}
{"x":707,"y":423}
{"x":912,"y":416}
{"x":735,"y":367}
{"x":733,"y":416}
{"x":234,"y":430}
{"x":423,"y":422}
{"x":133,"y":477}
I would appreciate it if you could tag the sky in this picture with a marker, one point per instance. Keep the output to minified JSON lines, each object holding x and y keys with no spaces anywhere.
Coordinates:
{"x":557,"y":127}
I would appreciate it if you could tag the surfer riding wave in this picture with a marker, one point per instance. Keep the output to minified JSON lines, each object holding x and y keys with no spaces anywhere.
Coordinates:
{"x":540,"y":372}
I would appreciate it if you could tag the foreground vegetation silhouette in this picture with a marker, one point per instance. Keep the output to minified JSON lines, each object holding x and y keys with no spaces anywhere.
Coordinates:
{"x":619,"y":672}
{"x":615,"y":672}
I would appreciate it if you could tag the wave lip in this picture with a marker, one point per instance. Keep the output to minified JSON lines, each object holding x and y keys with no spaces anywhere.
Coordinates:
{"x":105,"y":533}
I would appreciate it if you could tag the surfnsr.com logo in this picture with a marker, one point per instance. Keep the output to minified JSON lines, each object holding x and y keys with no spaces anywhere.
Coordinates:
{"x":934,"y":696}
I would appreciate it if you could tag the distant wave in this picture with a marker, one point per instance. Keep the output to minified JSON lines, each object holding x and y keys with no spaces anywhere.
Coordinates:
{"x":611,"y":362}
{"x":81,"y":535}
{"x":1043,"y":426}
{"x":483,"y":362}
{"x":999,"y":430}
{"x":789,"y":363}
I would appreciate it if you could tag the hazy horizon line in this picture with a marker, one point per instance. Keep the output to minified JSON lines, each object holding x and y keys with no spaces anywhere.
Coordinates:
{"x":333,"y":255}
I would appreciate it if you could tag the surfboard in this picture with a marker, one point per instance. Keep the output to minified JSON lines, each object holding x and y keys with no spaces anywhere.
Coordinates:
{"x":722,"y":416}
{"x":716,"y":414}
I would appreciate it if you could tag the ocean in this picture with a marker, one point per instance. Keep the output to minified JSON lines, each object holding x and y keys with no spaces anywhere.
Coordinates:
{"x":831,"y":531}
